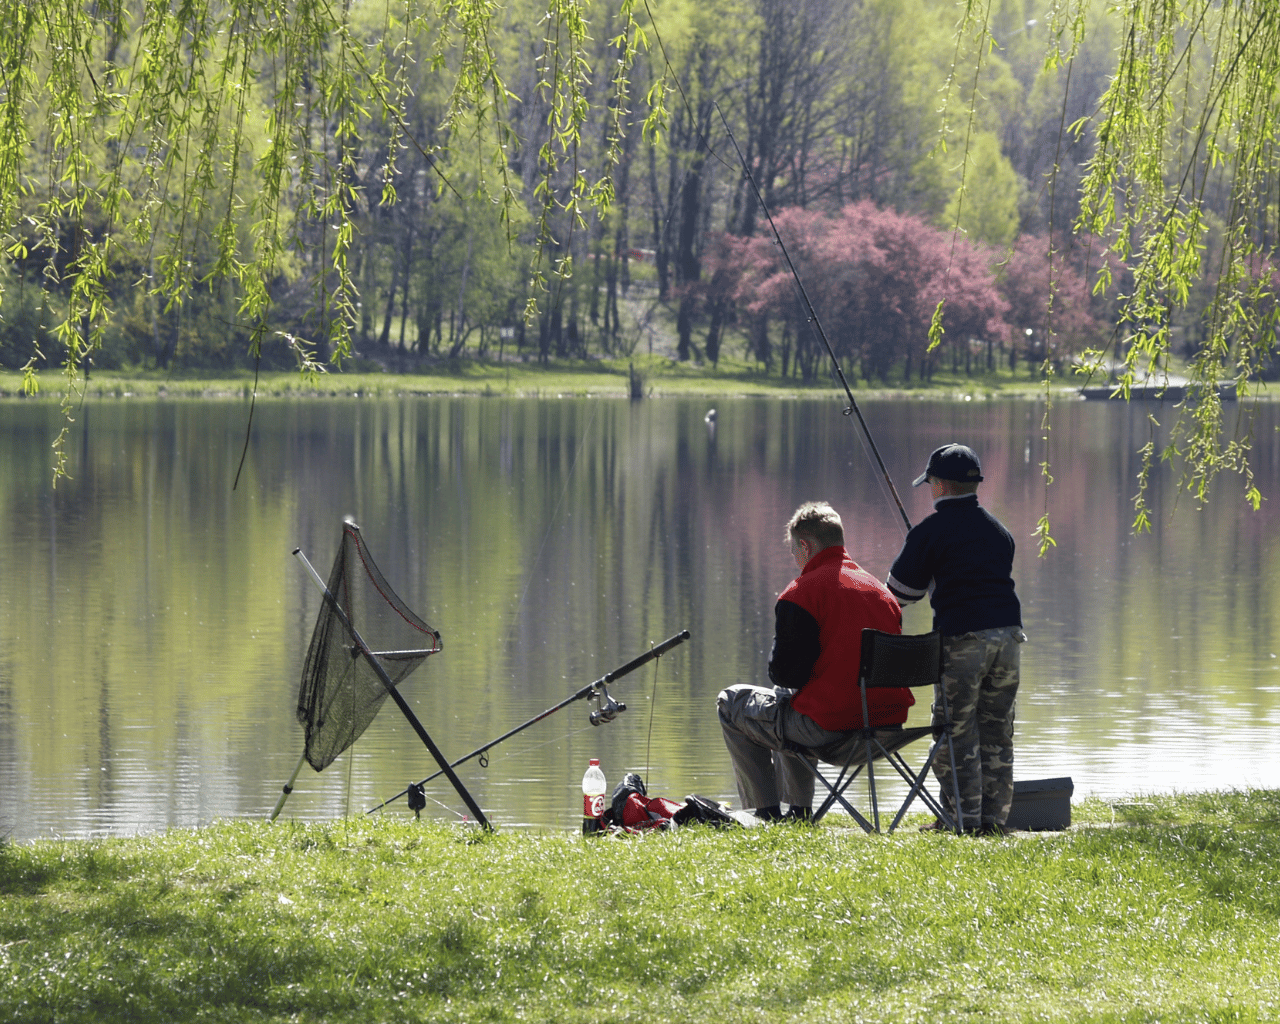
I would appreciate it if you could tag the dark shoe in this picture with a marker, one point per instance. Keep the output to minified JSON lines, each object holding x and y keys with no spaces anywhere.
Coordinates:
{"x":802,"y":814}
{"x":773,"y":813}
{"x":937,"y":825}
{"x":990,"y":829}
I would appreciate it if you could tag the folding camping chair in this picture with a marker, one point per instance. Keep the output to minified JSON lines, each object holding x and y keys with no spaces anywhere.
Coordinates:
{"x":888,"y":659}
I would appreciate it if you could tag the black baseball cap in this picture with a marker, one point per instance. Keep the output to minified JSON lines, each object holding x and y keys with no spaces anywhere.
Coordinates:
{"x":952,"y":462}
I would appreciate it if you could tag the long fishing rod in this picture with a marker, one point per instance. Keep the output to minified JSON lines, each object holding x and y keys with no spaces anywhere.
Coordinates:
{"x":817,"y":324}
{"x":596,"y":688}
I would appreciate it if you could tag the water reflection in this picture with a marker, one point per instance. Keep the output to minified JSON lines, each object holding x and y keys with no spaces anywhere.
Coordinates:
{"x":153,"y":623}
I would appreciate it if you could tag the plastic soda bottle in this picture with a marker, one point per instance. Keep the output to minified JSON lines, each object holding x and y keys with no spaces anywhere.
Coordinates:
{"x":593,"y":787}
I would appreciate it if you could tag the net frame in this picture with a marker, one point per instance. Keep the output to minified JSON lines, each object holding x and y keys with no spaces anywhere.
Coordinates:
{"x":340,"y":692}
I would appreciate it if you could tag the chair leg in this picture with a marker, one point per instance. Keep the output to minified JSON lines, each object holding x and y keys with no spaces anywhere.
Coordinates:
{"x":923,"y":793}
{"x":841,"y":784}
{"x":941,"y":690}
{"x":918,"y":790}
{"x":828,"y":800}
{"x":955,"y":781}
{"x":896,"y":761}
{"x":838,"y":795}
{"x":853,"y":813}
{"x":871,"y":786}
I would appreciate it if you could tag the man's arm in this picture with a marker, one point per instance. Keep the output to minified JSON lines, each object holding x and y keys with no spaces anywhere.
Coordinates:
{"x":795,"y":645}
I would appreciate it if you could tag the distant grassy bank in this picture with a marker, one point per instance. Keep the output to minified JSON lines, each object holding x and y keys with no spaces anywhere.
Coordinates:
{"x":605,"y":378}
{"x":1165,"y":909}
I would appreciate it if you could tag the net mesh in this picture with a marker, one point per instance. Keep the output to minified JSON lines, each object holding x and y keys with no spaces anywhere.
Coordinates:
{"x":340,"y":692}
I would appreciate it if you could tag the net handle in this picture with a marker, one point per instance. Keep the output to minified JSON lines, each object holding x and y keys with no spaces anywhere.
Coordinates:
{"x":407,"y":711}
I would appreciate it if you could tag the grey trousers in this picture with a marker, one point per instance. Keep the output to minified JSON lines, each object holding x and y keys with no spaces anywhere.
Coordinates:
{"x":980,"y":673}
{"x":758,"y":722}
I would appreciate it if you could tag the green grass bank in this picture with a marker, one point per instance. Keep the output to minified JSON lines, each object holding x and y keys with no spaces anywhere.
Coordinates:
{"x":1165,"y":909}
{"x":563,"y":378}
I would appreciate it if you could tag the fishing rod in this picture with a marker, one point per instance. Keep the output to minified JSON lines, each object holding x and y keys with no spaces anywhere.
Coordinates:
{"x":607,"y":712}
{"x":817,"y":324}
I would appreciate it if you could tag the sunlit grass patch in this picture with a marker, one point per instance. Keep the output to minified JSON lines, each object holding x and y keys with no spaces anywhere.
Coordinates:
{"x":657,"y":376}
{"x":1243,"y":807}
{"x":390,"y":920}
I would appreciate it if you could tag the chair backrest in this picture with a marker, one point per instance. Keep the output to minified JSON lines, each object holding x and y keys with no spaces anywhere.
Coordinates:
{"x":890,"y":659}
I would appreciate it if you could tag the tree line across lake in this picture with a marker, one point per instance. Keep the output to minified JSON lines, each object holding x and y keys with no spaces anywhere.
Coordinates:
{"x":403,"y":186}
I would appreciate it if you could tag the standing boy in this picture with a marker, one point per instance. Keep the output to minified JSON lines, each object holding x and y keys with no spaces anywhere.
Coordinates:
{"x":965,"y":555}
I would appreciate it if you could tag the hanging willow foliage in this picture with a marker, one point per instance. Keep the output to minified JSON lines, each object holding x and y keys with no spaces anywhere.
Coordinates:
{"x":207,"y":137}
{"x":1192,"y":107}
{"x":1164,"y":138}
{"x":168,"y":127}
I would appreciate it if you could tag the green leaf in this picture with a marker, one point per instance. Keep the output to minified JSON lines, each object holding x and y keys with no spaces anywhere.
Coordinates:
{"x":1044,"y":539}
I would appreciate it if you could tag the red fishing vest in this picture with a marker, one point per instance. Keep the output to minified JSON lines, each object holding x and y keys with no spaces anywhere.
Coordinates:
{"x":844,"y":599}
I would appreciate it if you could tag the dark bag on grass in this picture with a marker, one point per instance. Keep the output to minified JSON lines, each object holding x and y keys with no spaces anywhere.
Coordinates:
{"x":633,"y":809}
{"x":708,"y":812}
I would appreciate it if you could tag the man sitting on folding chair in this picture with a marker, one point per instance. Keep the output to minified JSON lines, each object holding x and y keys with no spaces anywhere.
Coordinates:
{"x":817,"y":645}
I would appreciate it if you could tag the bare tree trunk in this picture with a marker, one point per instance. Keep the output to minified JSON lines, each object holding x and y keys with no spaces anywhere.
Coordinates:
{"x":556,"y":330}
{"x":404,"y":292}
{"x":760,"y":341}
{"x":384,"y":339}
{"x":610,"y":330}
{"x":365,"y":276}
{"x":659,"y":241}
{"x":688,"y":267}
{"x":461,"y":338}
{"x":712,"y":344}
{"x":593,"y":307}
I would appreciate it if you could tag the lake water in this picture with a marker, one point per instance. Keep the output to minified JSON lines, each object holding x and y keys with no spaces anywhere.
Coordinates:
{"x":153,"y":621}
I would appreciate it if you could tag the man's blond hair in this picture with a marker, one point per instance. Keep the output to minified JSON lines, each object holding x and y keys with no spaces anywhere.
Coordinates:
{"x":817,"y":522}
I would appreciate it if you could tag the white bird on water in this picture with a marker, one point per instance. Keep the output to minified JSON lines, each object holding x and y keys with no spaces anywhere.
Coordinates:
{"x":710,"y":417}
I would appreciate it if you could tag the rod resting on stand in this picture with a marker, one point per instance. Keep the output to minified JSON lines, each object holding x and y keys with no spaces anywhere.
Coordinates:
{"x":587,"y":691}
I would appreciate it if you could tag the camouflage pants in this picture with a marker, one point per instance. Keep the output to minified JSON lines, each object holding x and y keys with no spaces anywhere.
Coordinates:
{"x":980,"y":677}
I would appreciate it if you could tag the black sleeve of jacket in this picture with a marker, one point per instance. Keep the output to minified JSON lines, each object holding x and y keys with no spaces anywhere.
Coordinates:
{"x":795,"y":645}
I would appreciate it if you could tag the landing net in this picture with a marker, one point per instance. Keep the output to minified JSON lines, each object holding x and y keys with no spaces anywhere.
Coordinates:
{"x":340,"y":692}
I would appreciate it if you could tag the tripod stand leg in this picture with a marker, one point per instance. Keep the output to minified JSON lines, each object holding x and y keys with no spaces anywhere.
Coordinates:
{"x":288,"y":787}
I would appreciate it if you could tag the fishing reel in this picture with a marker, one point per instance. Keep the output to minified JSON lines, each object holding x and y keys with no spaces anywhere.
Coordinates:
{"x":607,"y":709}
